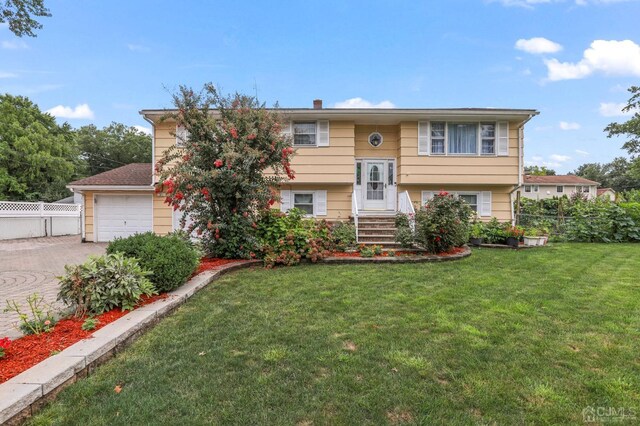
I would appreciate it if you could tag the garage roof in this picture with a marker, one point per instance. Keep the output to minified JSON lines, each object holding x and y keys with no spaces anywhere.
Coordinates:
{"x":135,"y":174}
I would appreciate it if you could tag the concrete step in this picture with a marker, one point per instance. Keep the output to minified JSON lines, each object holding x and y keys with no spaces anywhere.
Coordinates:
{"x":384,"y":244}
{"x":371,"y":232}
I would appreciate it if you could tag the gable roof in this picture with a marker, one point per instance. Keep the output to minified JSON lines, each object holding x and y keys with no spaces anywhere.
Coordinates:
{"x":558,"y":180}
{"x":135,"y":174}
{"x":601,"y":191}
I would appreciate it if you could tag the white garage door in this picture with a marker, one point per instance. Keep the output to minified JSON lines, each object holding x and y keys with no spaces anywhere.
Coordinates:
{"x":122,"y":215}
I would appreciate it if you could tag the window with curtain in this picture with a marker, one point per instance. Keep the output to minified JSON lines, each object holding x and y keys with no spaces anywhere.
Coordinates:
{"x":304,"y":134}
{"x":463,"y":138}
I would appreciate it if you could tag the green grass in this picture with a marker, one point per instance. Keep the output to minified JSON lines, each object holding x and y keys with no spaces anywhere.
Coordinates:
{"x":501,"y":337}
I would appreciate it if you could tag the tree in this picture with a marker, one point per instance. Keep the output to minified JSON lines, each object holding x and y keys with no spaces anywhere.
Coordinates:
{"x":228,"y":169}
{"x":19,"y":15}
{"x":539,"y":171}
{"x":112,"y":147}
{"x":618,"y":174}
{"x":37,"y":157}
{"x":631,"y":130}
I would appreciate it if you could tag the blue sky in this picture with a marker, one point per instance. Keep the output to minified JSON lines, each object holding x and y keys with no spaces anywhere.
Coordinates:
{"x":97,"y":62}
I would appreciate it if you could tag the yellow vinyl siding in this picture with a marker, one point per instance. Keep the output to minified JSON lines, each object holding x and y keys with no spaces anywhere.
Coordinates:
{"x":454,"y":169}
{"x":500,"y":198}
{"x":389,"y":147}
{"x":337,"y":159}
{"x":162,"y":216}
{"x":164,"y":138}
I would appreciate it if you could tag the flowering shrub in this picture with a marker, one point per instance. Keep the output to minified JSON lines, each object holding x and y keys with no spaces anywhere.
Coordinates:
{"x":404,"y":233}
{"x":170,"y":259}
{"x":104,"y":283}
{"x":343,"y":235}
{"x":226,"y":171}
{"x":4,"y":345}
{"x":285,"y":238}
{"x":443,"y":223}
{"x":369,"y":251}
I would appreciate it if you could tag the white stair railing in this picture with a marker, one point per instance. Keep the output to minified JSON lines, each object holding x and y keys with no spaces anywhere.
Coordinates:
{"x":406,"y":206}
{"x":354,"y":212}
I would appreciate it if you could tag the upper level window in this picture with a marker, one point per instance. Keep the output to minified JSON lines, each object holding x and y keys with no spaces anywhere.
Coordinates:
{"x":560,"y":188}
{"x":182,"y":135}
{"x":488,"y":135}
{"x":463,"y":138}
{"x":437,"y":138}
{"x":304,"y":133}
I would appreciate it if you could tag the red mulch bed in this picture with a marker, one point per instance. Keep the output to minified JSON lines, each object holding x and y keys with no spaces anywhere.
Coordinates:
{"x":207,"y":264}
{"x":27,"y":351}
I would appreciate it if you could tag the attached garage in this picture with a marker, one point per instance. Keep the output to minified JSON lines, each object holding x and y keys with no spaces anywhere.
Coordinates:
{"x":117,"y":216}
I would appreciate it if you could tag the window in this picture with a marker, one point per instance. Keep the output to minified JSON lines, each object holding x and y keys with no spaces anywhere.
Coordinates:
{"x":531,"y":188}
{"x":304,"y":134}
{"x":437,"y":138}
{"x":358,"y":172}
{"x":182,"y":135}
{"x":585,"y":189}
{"x":462,"y":138}
{"x":303,"y":201}
{"x":488,"y":135}
{"x":471,"y":199}
{"x":527,"y":188}
{"x":560,"y":189}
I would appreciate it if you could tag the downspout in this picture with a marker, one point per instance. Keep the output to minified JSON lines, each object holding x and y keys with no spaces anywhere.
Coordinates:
{"x":520,"y":162}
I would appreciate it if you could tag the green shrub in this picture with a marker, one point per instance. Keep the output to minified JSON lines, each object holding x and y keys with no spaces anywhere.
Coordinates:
{"x":36,"y":318}
{"x":170,"y":259}
{"x":343,"y":235}
{"x":90,"y":324}
{"x":443,"y":223}
{"x":104,"y":283}
{"x":602,"y":221}
{"x":285,"y":238}
{"x":495,"y":232}
{"x":404,"y":233}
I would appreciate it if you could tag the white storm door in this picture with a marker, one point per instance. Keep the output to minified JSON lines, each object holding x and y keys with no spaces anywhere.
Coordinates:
{"x":375,"y":197}
{"x":122,"y":215}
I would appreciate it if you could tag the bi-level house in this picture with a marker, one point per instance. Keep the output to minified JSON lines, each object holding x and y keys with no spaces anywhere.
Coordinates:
{"x":349,"y":164}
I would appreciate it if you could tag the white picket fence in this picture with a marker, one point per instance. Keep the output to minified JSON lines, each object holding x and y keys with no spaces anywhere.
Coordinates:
{"x":30,"y":220}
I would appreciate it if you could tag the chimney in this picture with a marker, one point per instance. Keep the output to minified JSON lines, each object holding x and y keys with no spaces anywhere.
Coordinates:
{"x":317,"y":104}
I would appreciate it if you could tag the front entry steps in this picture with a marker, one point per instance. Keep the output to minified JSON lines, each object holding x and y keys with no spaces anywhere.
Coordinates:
{"x":379,"y":230}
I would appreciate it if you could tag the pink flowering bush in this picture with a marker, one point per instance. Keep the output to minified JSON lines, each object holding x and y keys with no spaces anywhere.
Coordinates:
{"x":443,"y":223}
{"x":227,"y":170}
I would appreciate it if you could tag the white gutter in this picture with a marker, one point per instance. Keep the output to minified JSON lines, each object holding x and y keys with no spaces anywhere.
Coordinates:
{"x":153,"y":148}
{"x":521,"y":147}
{"x":110,"y":187}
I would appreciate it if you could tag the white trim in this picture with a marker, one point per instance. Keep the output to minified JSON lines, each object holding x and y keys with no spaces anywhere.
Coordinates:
{"x":375,"y":133}
{"x":293,"y":134}
{"x":323,"y":137}
{"x":501,"y":144}
{"x":446,"y":153}
{"x":424,"y":138}
{"x":110,"y":188}
{"x":182,"y":135}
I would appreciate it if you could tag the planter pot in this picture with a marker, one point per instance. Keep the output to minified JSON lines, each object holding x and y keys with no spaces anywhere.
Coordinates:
{"x":513,"y":242}
{"x":476,"y":241}
{"x":531,"y":241}
{"x":543,"y":240}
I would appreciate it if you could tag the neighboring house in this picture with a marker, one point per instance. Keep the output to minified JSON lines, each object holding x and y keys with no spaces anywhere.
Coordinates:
{"x":541,"y":187}
{"x":607,"y":193}
{"x":371,"y":161}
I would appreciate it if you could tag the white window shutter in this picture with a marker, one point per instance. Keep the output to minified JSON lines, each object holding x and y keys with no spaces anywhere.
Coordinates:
{"x":323,"y":132}
{"x":285,"y":203}
{"x":485,"y":203}
{"x":503,"y":138}
{"x":423,"y":138}
{"x":321,"y":203}
{"x":286,"y":128}
{"x":182,"y":135}
{"x":426,"y":196}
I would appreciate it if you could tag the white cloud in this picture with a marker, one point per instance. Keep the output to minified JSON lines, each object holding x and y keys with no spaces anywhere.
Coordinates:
{"x":609,"y":57}
{"x":145,"y":130}
{"x":137,"y":48}
{"x":363,"y":103}
{"x":82,"y":112}
{"x":565,"y":125}
{"x":581,"y":152}
{"x":613,"y":109}
{"x":7,"y":75}
{"x":559,"y":158}
{"x":538,"y":45}
{"x":536,"y":158}
{"x":16,"y":44}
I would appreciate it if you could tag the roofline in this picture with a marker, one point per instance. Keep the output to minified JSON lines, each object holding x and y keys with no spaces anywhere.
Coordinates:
{"x":389,"y":112}
{"x":110,"y":187}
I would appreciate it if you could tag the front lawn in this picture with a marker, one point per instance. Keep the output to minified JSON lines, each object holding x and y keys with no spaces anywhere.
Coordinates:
{"x":501,"y":337}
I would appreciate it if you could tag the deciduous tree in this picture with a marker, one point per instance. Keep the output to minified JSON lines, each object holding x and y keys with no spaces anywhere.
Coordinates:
{"x":19,"y":14}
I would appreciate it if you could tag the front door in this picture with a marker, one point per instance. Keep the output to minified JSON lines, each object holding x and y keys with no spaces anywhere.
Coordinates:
{"x":374,"y":185}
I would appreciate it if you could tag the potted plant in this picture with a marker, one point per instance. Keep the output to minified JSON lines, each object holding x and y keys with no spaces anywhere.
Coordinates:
{"x":514,"y":233}
{"x":544,"y":235}
{"x":531,"y":237}
{"x":477,"y":234}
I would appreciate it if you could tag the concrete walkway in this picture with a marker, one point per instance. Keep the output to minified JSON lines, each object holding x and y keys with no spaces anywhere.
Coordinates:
{"x":31,"y":265}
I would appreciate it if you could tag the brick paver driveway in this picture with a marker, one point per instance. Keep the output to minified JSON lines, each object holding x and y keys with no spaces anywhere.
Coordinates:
{"x":31,"y":265}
